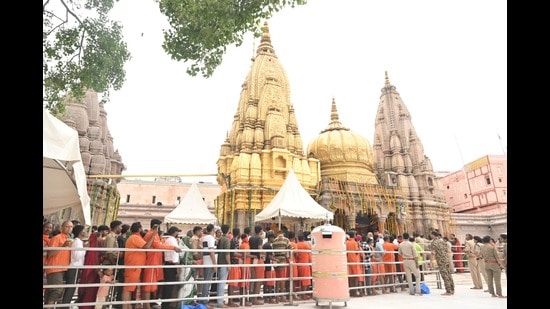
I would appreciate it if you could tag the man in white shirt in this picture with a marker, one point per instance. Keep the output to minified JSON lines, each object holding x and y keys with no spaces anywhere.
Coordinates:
{"x":170,"y":273}
{"x":208,"y":258}
{"x":77,"y":259}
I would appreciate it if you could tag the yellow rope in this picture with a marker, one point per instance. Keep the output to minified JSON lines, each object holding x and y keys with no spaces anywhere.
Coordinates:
{"x":340,"y":196}
{"x":107,"y":202}
{"x":328,"y":275}
{"x":362,"y":198}
{"x":350,"y":201}
{"x":117,"y":206}
{"x":372,"y":201}
{"x":103,"y":197}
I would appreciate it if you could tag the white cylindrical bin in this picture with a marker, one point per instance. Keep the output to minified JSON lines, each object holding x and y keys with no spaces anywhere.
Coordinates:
{"x":329,"y":264}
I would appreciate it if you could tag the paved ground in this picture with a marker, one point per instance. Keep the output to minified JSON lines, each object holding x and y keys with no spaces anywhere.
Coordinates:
{"x":464,"y":298}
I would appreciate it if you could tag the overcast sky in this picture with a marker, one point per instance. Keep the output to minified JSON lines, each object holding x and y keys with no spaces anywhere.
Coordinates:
{"x":448,"y":60}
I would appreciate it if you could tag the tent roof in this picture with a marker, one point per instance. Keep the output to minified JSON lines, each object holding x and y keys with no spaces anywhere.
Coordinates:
{"x":191,"y":210}
{"x":293,"y":203}
{"x":63,"y":175}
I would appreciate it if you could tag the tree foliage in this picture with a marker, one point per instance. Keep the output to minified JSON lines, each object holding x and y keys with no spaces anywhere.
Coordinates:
{"x":201,"y":30}
{"x":82,"y":49}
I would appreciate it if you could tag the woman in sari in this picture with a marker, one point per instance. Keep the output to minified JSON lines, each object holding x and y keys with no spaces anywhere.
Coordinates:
{"x":458,"y":254}
{"x":89,"y":275}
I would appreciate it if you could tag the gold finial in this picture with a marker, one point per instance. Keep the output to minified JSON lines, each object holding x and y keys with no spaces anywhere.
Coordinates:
{"x":253,"y":48}
{"x":387,"y":79}
{"x":265,"y":33}
{"x":265,"y":46}
{"x":334,"y":119}
{"x":333,"y":111}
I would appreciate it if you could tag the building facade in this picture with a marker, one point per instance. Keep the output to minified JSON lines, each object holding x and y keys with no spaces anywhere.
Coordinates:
{"x":478,"y":196}
{"x":480,"y":187}
{"x":143,"y":200}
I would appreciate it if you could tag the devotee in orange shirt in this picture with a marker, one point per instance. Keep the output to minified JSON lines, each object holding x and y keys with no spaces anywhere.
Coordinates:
{"x":304,"y":270}
{"x":389,"y":263}
{"x":58,"y":258}
{"x":154,"y":275}
{"x":354,"y":255}
{"x":134,"y":258}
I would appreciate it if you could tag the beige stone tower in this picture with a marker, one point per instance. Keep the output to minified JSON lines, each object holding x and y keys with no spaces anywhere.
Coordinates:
{"x":263,"y":143}
{"x":99,"y":156}
{"x":400,"y":161}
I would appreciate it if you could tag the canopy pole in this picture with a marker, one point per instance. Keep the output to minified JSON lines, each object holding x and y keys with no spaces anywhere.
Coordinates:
{"x":279,"y":219}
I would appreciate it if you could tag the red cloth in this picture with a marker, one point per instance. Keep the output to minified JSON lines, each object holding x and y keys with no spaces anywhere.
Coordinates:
{"x":281,"y":272}
{"x":269,"y":276}
{"x":259,"y":269}
{"x":88,"y":294}
{"x":458,"y":255}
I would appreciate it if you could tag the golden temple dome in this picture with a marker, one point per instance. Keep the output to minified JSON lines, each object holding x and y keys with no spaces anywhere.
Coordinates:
{"x":343,"y":154}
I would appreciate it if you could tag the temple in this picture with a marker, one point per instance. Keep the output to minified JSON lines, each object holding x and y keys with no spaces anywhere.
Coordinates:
{"x":389,"y":186}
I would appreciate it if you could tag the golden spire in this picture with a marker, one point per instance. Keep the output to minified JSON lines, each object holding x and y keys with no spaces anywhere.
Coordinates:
{"x":387,"y":79}
{"x":335,"y":123}
{"x":265,"y":46}
{"x":334,"y":112}
{"x":253,"y":48}
{"x":265,"y":34}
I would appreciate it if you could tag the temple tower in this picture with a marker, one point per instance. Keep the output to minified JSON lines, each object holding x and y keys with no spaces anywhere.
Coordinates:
{"x":400,"y":161}
{"x":99,"y":157}
{"x":263,"y":144}
{"x":349,"y":185}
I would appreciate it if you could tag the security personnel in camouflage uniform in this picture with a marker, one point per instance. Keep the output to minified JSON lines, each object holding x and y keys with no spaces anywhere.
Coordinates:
{"x":439,"y":251}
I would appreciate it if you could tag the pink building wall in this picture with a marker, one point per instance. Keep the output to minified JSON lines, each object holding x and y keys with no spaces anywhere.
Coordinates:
{"x":480,"y":187}
{"x":136,"y":198}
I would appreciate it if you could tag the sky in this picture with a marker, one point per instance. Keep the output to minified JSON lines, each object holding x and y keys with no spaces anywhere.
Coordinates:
{"x":447,"y":60}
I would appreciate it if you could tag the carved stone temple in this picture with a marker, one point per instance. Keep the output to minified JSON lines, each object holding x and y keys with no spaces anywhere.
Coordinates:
{"x":390,"y":185}
{"x":99,"y":157}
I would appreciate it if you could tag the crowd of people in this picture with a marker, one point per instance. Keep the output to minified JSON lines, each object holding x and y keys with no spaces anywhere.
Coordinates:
{"x":255,"y":266}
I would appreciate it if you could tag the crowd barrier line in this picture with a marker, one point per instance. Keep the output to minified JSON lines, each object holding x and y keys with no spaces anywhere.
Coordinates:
{"x":290,"y":294}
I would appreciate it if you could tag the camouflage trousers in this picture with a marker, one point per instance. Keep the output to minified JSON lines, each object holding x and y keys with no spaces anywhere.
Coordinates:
{"x":446,"y":275}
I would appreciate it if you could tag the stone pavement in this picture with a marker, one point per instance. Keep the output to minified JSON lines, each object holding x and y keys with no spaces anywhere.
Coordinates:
{"x":464,"y":298}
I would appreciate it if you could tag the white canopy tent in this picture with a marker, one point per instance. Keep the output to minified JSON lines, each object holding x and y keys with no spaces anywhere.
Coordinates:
{"x":63,"y":175}
{"x":192,"y":210}
{"x":293,"y":204}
